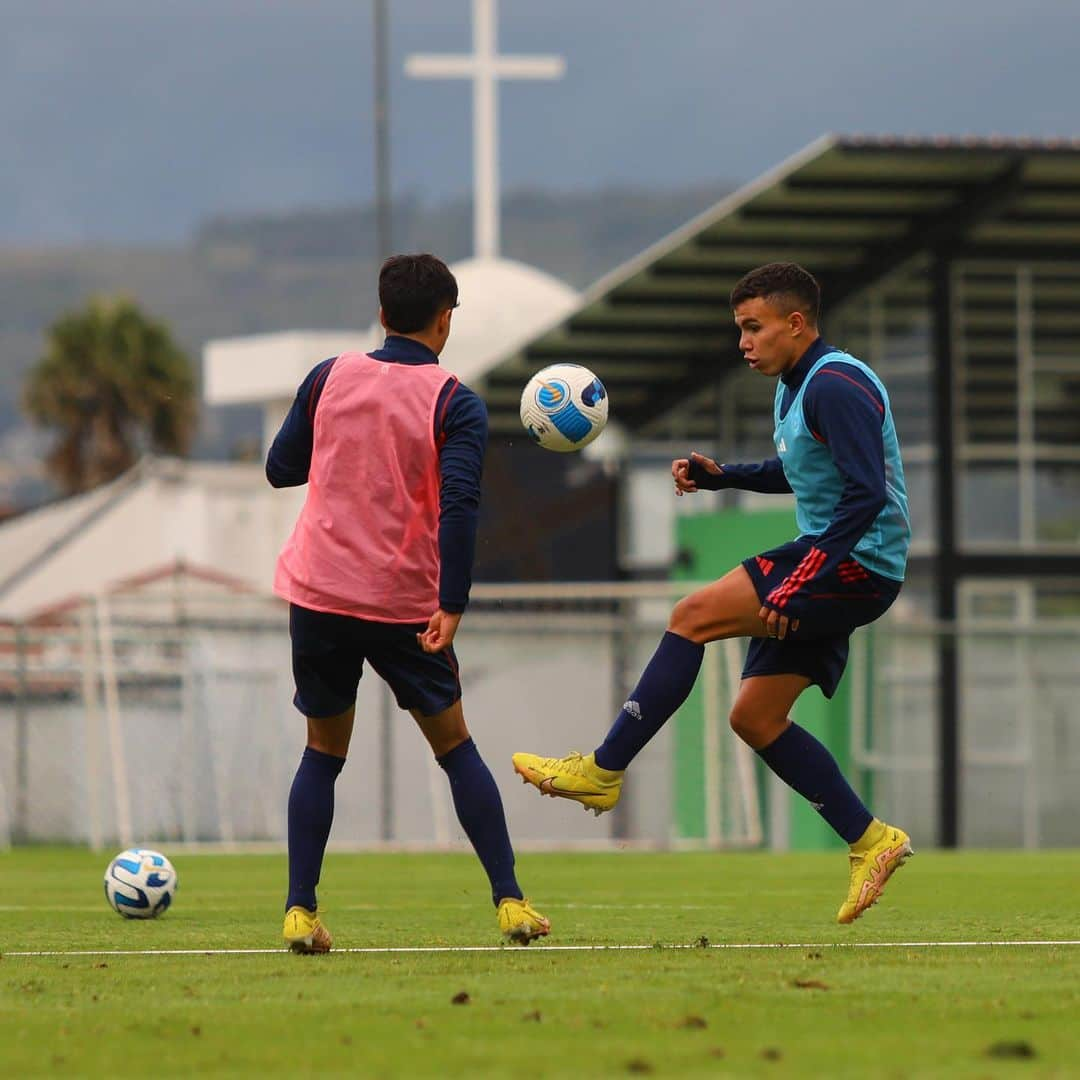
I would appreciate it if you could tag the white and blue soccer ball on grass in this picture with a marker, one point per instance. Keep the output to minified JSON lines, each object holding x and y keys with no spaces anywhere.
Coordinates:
{"x":140,"y":884}
{"x":564,"y":407}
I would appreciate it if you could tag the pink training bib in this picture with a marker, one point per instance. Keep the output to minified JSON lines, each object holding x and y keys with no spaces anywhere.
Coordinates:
{"x":366,"y":543}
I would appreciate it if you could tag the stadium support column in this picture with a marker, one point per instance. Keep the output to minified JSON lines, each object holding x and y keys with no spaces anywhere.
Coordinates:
{"x":947,"y":562}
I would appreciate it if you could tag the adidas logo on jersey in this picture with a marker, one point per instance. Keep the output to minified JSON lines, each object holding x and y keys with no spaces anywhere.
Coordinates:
{"x":782,"y":447}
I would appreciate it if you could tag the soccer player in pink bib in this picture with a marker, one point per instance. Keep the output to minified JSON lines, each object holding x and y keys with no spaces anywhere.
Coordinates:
{"x":378,"y":568}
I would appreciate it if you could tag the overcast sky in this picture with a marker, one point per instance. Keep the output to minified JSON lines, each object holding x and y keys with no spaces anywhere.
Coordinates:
{"x":131,"y":122}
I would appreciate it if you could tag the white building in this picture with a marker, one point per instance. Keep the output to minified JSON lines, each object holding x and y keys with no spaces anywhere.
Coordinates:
{"x":219,"y":516}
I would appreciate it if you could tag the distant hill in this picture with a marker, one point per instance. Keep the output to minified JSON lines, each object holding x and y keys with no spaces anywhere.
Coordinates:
{"x":577,"y":237}
{"x":310,"y":269}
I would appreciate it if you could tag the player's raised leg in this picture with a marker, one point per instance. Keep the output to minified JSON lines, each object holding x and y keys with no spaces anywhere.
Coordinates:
{"x":311,"y":813}
{"x":760,"y":718}
{"x":726,"y":608}
{"x":479,"y":808}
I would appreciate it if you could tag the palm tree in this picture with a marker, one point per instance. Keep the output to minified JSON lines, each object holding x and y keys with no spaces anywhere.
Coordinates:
{"x":113,"y":384}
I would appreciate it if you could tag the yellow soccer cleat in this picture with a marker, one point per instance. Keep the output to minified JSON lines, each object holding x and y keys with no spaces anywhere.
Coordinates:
{"x":520,"y":922}
{"x":304,"y":933}
{"x":871,"y":866}
{"x":572,"y":777}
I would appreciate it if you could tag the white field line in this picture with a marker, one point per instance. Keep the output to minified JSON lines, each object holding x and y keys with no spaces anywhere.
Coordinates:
{"x":554,"y":905}
{"x":562,"y":948}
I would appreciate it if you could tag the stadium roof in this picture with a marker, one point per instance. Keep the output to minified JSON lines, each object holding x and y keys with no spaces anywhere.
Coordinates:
{"x":853,"y":210}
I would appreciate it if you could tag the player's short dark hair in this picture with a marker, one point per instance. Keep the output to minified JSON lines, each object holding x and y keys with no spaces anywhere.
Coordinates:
{"x":786,"y":284}
{"x":413,"y":289}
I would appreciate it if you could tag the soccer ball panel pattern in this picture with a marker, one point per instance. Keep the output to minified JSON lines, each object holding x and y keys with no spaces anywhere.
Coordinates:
{"x":564,"y":407}
{"x":140,"y":883}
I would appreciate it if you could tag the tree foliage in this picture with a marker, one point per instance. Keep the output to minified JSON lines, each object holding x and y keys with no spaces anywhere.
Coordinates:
{"x":113,"y":384}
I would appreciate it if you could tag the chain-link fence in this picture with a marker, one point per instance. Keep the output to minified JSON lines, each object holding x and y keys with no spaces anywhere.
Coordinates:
{"x":123,"y":722}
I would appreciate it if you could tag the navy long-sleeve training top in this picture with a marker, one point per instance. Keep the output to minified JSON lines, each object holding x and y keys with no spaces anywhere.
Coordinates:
{"x":845,"y":413}
{"x":461,"y":423}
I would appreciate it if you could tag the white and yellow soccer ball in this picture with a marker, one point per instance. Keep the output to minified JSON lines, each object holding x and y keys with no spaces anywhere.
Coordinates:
{"x":140,"y":884}
{"x":564,"y":407}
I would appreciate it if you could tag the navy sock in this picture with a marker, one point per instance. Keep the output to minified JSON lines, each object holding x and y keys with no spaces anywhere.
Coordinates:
{"x":664,"y":685}
{"x":480,"y":810}
{"x":311,"y":812}
{"x":808,"y":767}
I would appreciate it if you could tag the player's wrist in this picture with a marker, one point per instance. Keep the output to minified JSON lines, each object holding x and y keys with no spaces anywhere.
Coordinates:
{"x":704,"y":479}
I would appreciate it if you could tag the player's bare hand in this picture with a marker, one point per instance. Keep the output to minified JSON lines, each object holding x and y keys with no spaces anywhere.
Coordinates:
{"x":776,"y":625}
{"x":439,"y":635}
{"x":680,"y":473}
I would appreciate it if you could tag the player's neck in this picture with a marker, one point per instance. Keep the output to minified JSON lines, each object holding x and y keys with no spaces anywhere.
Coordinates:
{"x":428,"y":340}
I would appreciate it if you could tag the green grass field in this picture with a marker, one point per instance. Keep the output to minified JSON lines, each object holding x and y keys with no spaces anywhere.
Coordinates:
{"x":818,"y":1011}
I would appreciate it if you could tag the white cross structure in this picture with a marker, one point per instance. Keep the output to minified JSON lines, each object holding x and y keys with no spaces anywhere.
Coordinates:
{"x":484,"y":67}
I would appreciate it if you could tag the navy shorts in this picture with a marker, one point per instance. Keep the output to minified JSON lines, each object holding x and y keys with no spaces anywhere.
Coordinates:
{"x":850,"y":597}
{"x":328,"y":654}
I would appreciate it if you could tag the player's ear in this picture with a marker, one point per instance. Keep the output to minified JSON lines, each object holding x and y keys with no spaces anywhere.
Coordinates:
{"x":382,"y":319}
{"x":796,"y":323}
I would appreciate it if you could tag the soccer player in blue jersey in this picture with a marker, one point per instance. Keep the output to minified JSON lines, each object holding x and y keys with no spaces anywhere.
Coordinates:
{"x":837,"y":452}
{"x":378,"y":569}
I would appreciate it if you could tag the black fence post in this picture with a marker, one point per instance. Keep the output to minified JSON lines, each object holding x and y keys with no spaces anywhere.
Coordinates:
{"x":946,"y":575}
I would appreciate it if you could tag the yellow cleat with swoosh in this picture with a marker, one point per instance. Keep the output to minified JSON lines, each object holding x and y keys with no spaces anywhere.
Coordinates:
{"x":872,"y":866}
{"x":572,"y":777}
